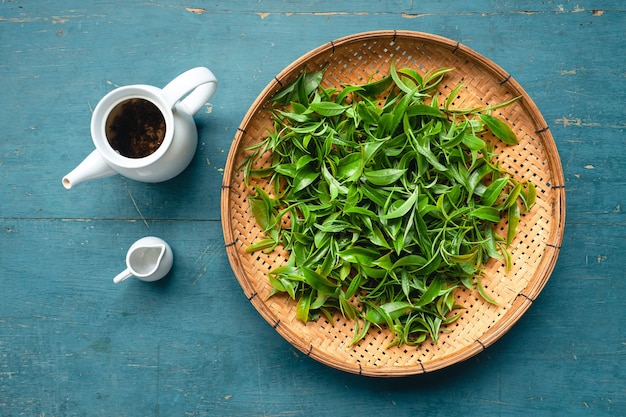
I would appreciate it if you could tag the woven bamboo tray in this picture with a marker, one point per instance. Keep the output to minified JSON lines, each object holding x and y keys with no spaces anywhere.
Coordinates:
{"x":353,"y":60}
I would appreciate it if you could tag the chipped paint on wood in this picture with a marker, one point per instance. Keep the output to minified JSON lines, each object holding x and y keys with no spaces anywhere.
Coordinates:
{"x":195,"y":10}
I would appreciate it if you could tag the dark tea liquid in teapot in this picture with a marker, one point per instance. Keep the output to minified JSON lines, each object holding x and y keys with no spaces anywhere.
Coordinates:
{"x":135,"y":128}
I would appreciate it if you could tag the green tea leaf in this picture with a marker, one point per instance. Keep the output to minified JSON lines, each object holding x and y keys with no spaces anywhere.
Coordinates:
{"x":294,"y":117}
{"x":473,"y":142}
{"x":492,"y":192}
{"x":328,"y":109}
{"x":490,"y":244}
{"x":368,"y":113}
{"x":355,"y":285}
{"x":410,"y":260}
{"x":396,"y":309}
{"x":304,"y":178}
{"x":486,"y":213}
{"x":512,"y":197}
{"x":514,"y":217}
{"x":398,"y":81}
{"x":375,"y":88}
{"x":262,"y":245}
{"x":403,"y":208}
{"x":347,"y":309}
{"x":508,"y":260}
{"x":310,"y":82}
{"x":413,"y":74}
{"x":500,"y":129}
{"x":350,"y":167}
{"x":358,"y":255}
{"x":424,"y":110}
{"x":317,"y":281}
{"x":482,"y":291}
{"x":288,"y":170}
{"x":377,"y":315}
{"x":261,"y":208}
{"x":384,"y":176}
{"x":431,"y":293}
{"x":433,"y":77}
{"x":530,"y":196}
{"x":303,"y":306}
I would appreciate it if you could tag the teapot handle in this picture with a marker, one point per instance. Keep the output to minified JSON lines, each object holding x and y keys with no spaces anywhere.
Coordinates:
{"x":199,"y":83}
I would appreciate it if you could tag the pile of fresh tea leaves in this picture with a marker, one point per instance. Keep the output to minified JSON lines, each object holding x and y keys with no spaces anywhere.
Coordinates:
{"x":386,"y":198}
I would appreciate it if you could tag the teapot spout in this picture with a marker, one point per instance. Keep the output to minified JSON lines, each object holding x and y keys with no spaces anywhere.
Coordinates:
{"x":94,"y":166}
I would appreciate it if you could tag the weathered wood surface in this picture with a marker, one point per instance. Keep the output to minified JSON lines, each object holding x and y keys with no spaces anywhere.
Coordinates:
{"x":72,"y":343}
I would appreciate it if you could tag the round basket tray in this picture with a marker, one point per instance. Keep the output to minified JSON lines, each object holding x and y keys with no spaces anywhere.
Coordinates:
{"x":353,"y":60}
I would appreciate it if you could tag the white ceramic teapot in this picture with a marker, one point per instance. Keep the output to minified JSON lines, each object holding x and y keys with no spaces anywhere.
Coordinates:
{"x":146,"y":133}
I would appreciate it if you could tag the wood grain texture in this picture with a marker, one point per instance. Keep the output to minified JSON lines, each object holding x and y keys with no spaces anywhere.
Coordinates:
{"x":72,"y":343}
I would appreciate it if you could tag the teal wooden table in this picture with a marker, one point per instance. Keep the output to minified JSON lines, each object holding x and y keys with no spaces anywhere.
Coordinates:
{"x":74,"y":344}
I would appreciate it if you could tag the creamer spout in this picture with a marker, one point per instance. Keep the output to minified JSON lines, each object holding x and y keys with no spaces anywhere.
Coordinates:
{"x":94,"y":166}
